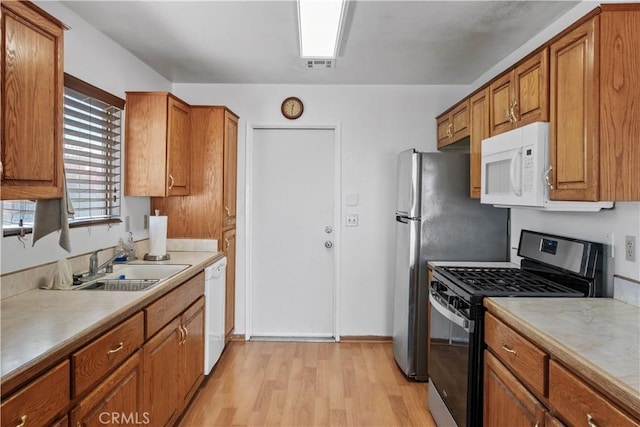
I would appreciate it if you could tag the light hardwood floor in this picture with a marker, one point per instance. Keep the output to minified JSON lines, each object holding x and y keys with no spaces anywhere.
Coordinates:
{"x":302,"y":384}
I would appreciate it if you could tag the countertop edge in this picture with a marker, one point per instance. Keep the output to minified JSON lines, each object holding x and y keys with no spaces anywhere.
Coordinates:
{"x":28,"y":371}
{"x":600,"y":380}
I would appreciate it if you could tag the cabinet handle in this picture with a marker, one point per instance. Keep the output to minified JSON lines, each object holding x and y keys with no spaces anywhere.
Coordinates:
{"x":449,"y":132}
{"x":186,"y":333}
{"x":117,"y":349}
{"x":590,"y":422}
{"x":171,"y":181}
{"x":23,"y":421}
{"x":181,"y":332}
{"x":513,"y":110}
{"x":227,"y":211}
{"x":546,"y":177}
{"x":508,"y":350}
{"x":226,"y":244}
{"x":1,"y":170}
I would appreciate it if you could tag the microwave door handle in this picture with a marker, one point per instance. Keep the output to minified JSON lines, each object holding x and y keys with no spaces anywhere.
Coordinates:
{"x":514,"y":164}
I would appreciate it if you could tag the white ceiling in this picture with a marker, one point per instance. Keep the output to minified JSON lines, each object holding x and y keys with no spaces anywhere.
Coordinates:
{"x":385,"y":42}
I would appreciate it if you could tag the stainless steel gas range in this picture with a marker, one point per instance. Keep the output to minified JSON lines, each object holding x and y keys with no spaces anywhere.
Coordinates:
{"x":552,"y":266}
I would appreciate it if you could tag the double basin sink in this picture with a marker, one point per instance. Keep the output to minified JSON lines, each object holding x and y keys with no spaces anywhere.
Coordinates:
{"x":132,"y":277}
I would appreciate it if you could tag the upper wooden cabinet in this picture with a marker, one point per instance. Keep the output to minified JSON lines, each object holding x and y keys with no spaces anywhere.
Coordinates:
{"x":595,"y":122}
{"x":32,"y":91}
{"x":157,"y":145}
{"x":479,"y":130}
{"x":453,"y":125}
{"x":230,"y":168}
{"x":521,"y":95}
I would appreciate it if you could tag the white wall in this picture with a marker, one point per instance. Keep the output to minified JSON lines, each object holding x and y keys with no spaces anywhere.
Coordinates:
{"x":376,"y":122}
{"x":621,"y":221}
{"x":93,"y":57}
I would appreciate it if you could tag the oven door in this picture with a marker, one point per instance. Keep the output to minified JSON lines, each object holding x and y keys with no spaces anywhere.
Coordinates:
{"x":450,"y":355}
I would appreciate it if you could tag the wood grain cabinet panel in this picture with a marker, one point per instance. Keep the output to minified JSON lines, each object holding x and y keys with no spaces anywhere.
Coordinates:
{"x":32,"y":101}
{"x":453,"y":125}
{"x":106,"y":353}
{"x":501,"y":101}
{"x":230,"y":168}
{"x":172,"y":304}
{"x":158,"y":143}
{"x":229,"y":242}
{"x":118,"y":400}
{"x":478,"y":130}
{"x":527,"y":361}
{"x":506,"y":400}
{"x":41,"y":401}
{"x":192,"y":352}
{"x":579,"y":404}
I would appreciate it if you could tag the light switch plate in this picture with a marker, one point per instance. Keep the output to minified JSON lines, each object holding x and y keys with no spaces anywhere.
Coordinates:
{"x":351,"y":220}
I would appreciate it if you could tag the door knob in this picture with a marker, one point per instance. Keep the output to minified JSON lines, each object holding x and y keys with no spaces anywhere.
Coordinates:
{"x":328,"y":244}
{"x":328,"y":229}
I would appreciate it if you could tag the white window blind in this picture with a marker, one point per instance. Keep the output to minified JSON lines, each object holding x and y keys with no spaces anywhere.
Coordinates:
{"x":92,"y":129}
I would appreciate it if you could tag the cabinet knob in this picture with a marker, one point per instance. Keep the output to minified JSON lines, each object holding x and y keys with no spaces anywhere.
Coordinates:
{"x":590,"y":422}
{"x":171,"y":181}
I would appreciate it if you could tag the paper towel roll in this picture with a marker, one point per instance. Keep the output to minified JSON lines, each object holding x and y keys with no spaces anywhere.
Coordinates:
{"x":157,"y":235}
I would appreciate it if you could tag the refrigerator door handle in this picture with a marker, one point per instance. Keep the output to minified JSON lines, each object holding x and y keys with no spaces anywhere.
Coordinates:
{"x":402,"y":219}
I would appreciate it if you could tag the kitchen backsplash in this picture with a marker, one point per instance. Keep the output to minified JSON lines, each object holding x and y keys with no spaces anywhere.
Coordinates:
{"x":626,"y":290}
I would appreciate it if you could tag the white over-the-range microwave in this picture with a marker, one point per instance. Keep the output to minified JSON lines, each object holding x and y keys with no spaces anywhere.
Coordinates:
{"x":515,"y":171}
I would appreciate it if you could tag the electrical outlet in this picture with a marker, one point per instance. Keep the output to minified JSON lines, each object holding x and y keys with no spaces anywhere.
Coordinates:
{"x":351,"y":220}
{"x":127,"y":224}
{"x":145,"y":221}
{"x":630,"y":248}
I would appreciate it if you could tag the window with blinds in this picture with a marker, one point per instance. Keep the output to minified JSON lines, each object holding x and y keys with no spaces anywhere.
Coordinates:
{"x":92,"y":120}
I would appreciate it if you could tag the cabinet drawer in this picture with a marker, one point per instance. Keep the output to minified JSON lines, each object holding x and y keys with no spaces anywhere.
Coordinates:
{"x":577,"y":403}
{"x":525,"y":360}
{"x":107,"y":352}
{"x":171,"y":305}
{"x":41,"y":401}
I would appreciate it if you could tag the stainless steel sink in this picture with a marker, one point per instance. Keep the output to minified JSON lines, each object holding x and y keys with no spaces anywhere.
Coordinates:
{"x":132,"y":277}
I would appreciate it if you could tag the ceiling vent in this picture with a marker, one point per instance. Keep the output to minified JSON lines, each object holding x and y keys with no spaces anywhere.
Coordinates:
{"x":319,"y":64}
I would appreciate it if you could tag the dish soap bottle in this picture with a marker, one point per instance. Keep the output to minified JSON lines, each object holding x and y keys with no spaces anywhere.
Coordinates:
{"x":130,"y":247}
{"x":121,"y":247}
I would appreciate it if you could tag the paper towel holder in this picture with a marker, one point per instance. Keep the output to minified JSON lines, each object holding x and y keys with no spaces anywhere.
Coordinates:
{"x":164,"y":257}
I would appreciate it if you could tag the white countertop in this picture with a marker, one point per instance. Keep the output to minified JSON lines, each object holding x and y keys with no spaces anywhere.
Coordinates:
{"x":598,"y":337}
{"x":37,"y":323}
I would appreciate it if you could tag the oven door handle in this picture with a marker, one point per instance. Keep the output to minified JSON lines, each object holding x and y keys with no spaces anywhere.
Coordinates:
{"x":463,"y":322}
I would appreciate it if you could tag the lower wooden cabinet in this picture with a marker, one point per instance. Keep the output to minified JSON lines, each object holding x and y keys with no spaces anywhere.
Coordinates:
{"x":229,"y":241}
{"x":505,"y":398}
{"x":41,"y":401}
{"x":174,"y":364}
{"x":115,"y":401}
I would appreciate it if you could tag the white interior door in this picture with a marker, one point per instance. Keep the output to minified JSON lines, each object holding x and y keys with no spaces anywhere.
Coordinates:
{"x":292,"y":214}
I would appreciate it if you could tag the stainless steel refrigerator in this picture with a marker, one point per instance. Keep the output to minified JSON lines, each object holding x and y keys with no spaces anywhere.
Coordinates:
{"x":436,"y":220}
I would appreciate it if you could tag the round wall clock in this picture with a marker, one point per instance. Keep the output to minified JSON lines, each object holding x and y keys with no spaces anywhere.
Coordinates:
{"x":292,"y":108}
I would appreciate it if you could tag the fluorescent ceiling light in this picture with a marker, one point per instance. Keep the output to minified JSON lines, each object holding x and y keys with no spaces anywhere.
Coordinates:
{"x":319,"y":23}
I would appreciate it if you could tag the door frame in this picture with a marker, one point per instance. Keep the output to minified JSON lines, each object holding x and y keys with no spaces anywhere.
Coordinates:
{"x":337,"y":208}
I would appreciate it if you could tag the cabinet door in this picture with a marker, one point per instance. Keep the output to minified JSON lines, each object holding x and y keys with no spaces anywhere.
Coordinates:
{"x":178,"y":149}
{"x":531,"y":84}
{"x":506,"y":399}
{"x":501,"y":103}
{"x":192,"y":351}
{"x":444,"y":130}
{"x":116,"y":400}
{"x":230,"y":167}
{"x":574,"y":115}
{"x":460,"y":121}
{"x":161,"y":370}
{"x":479,"y":130}
{"x":32,"y":91}
{"x":619,"y":110}
{"x":229,"y":238}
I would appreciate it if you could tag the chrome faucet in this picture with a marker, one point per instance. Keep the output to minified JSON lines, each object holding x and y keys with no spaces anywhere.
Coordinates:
{"x":93,"y":262}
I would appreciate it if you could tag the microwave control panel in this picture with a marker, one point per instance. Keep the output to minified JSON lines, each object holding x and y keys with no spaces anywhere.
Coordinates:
{"x":528,"y":170}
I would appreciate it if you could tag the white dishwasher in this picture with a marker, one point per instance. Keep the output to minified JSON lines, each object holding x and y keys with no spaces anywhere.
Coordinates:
{"x":214,"y":292}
